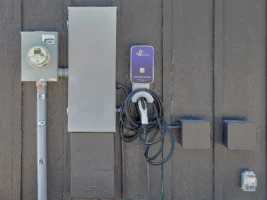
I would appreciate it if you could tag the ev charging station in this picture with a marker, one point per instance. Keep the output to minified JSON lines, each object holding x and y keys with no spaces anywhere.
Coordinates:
{"x":142,"y":74}
{"x":92,"y":109}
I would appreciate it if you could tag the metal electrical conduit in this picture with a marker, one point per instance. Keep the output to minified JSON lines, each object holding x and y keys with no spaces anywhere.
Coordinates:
{"x":41,"y":140}
{"x":41,"y":135}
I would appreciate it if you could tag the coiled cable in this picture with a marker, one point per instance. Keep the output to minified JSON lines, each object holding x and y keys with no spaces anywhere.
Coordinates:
{"x":150,"y":134}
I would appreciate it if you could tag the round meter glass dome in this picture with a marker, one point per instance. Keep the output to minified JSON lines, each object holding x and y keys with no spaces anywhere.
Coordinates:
{"x":38,"y":56}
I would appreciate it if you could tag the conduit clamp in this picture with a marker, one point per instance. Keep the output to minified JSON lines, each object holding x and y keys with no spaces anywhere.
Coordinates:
{"x":41,"y":123}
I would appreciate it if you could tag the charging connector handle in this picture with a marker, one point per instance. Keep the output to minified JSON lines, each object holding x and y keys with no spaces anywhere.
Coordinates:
{"x":143,"y":110}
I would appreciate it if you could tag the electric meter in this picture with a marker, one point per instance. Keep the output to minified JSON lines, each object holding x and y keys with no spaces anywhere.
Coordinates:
{"x":38,"y":56}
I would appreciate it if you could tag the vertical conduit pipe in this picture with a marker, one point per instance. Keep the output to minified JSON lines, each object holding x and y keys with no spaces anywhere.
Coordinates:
{"x":41,"y":140}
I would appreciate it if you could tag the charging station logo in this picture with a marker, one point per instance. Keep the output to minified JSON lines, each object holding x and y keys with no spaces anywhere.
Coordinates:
{"x":141,"y":53}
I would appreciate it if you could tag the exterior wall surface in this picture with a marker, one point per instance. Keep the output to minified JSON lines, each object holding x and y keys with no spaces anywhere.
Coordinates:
{"x":210,"y":62}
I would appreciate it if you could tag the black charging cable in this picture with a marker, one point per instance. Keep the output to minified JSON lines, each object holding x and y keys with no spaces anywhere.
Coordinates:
{"x":150,"y":134}
{"x":120,"y":86}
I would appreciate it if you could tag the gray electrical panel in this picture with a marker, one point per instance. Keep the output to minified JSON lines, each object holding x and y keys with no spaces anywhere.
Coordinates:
{"x":39,"y":56}
{"x":92,"y":69}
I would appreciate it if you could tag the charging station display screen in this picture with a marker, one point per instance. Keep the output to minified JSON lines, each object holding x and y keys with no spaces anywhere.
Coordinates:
{"x":142,"y":64}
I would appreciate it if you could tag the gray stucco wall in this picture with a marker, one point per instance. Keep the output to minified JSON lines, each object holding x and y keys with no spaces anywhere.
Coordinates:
{"x":210,"y":63}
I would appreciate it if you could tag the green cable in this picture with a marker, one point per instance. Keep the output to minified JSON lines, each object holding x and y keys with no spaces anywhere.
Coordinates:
{"x":162,"y":179}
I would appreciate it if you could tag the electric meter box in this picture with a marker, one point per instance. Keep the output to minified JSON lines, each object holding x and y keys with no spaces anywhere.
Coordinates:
{"x":39,"y":56}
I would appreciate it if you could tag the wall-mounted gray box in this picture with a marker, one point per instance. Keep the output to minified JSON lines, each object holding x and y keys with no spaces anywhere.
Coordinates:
{"x":92,"y":165}
{"x":195,"y":134}
{"x":92,"y":69}
{"x":48,"y":40}
{"x":239,"y":135}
